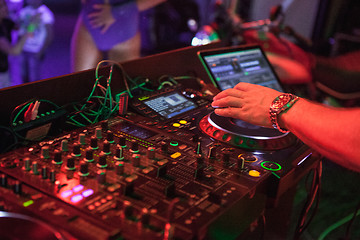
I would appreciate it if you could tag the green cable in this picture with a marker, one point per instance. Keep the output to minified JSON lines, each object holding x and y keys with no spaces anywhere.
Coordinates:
{"x":336,"y":225}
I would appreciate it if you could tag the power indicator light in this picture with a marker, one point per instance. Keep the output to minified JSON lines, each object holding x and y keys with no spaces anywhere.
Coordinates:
{"x":28,"y":203}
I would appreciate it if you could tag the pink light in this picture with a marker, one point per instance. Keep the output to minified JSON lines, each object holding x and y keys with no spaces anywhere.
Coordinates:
{"x":66,"y":194}
{"x":87,"y":192}
{"x":76,"y":198}
{"x":78,"y":188}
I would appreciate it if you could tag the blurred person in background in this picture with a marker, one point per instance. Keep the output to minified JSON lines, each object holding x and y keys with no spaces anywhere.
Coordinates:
{"x":37,"y":19}
{"x":7,"y":26}
{"x":107,"y":29}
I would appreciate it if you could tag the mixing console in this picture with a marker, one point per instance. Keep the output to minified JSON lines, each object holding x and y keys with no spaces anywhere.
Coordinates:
{"x":138,"y":177}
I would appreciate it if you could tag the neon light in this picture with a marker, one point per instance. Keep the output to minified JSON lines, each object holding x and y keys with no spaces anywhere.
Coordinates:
{"x":28,"y":203}
{"x":87,"y":192}
{"x":304,"y":159}
{"x":76,"y":198}
{"x":276,"y":175}
{"x":66,"y":194}
{"x":78,"y":188}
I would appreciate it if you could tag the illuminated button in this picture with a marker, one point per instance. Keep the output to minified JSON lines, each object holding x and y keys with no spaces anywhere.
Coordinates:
{"x":103,"y":200}
{"x":174,"y":143}
{"x":97,"y":204}
{"x":271,"y":166}
{"x":67,"y":193}
{"x":176,"y":155}
{"x":254,"y":173}
{"x":182,"y":147}
{"x":183,"y":122}
{"x":78,"y":188}
{"x":87,"y":192}
{"x":76,"y":198}
{"x":176,"y":125}
{"x":91,"y":207}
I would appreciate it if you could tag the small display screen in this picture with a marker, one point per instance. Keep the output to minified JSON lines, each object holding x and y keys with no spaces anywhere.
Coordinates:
{"x":170,"y":105}
{"x":136,"y":131}
{"x":231,"y":66}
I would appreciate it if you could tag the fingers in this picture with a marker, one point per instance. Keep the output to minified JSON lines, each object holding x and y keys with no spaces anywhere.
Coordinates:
{"x":228,"y":112}
{"x":228,"y":92}
{"x":228,"y":98}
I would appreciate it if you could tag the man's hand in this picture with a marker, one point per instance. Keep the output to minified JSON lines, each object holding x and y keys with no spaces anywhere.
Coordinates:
{"x":248,"y":102}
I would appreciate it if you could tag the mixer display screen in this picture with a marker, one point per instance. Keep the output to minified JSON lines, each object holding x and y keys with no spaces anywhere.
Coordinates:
{"x":170,"y":105}
{"x":137,"y":131}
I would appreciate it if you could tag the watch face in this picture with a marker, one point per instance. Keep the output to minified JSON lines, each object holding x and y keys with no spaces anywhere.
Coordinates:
{"x":279,"y":103}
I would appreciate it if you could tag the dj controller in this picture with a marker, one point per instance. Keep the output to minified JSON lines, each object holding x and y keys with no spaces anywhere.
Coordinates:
{"x":152,"y":173}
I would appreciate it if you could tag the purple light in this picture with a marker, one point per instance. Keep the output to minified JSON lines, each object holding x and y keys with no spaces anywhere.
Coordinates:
{"x":67,"y":193}
{"x":87,"y":192}
{"x":76,"y":198}
{"x":78,"y":188}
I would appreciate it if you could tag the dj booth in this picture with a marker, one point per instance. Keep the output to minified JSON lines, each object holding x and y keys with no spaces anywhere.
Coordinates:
{"x":95,"y":155}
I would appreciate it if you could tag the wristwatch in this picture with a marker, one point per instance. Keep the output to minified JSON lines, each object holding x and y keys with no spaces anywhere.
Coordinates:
{"x":281,"y":104}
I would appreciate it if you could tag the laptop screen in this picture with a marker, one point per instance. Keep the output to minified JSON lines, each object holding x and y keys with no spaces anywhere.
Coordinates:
{"x":229,"y":66}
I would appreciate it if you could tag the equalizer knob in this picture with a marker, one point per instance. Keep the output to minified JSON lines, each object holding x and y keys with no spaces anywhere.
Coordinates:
{"x":102,"y":163}
{"x":119,"y":168}
{"x":45,"y":152}
{"x":57,"y":157}
{"x":106,"y":147}
{"x":122,"y":141}
{"x":17,"y":187}
{"x":64,"y":145}
{"x":52,"y":176}
{"x":136,"y":160}
{"x":119,"y":155}
{"x":134,"y":147}
{"x":82,"y":138}
{"x":89,"y":155}
{"x":70,"y":163}
{"x":3,"y":180}
{"x":101,"y":176}
{"x":94,"y":142}
{"x":84,"y":169}
{"x":127,"y":209}
{"x":44,"y":172}
{"x":98,"y":133}
{"x":151,"y":152}
{"x":110,"y":136}
{"x":76,"y":150}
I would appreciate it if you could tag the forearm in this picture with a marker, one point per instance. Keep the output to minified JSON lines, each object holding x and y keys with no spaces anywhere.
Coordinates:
{"x":147,"y":4}
{"x":332,"y":132}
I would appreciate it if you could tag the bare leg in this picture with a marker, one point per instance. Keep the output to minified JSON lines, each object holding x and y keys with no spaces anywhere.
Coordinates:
{"x":84,"y":53}
{"x":127,"y":50}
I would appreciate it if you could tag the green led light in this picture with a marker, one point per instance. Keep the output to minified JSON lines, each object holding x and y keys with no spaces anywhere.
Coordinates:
{"x":174,"y":144}
{"x":271,"y":166}
{"x":28,"y":203}
{"x":246,"y":73}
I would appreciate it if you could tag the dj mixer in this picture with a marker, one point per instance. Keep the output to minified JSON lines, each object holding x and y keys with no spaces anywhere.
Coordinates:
{"x":168,"y":168}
